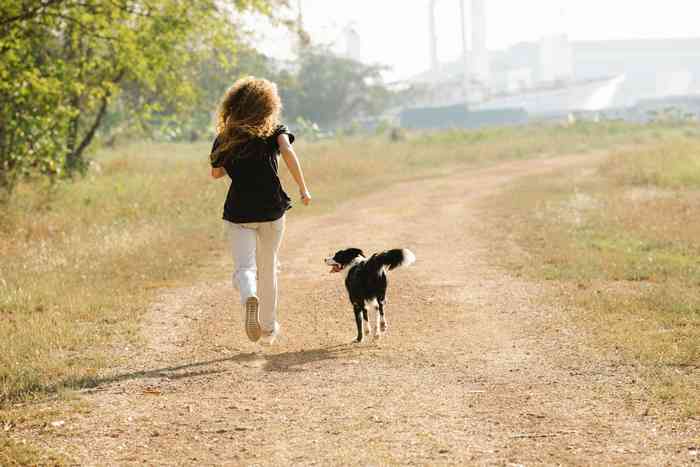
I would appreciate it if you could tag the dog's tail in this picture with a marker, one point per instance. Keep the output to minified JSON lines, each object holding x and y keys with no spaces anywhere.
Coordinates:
{"x":392,"y":259}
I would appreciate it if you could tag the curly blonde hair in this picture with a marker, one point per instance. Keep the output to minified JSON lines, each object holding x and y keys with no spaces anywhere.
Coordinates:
{"x":250,"y":109}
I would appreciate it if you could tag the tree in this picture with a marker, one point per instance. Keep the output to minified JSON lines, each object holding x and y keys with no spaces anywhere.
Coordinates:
{"x":212,"y":72}
{"x":63,"y":61}
{"x":332,"y":89}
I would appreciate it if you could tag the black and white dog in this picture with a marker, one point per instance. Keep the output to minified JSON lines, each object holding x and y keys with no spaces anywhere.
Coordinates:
{"x":366,"y":282}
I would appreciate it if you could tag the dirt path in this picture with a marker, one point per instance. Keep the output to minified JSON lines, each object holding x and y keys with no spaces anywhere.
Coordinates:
{"x":474,"y":370}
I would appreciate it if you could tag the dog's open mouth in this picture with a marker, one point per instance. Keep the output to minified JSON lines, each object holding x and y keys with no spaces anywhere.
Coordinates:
{"x":336,"y":268}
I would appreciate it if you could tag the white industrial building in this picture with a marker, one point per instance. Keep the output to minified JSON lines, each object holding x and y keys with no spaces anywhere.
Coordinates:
{"x":556,"y":75}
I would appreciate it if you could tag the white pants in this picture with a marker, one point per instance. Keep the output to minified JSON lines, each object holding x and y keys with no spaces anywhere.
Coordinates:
{"x":255,"y":246}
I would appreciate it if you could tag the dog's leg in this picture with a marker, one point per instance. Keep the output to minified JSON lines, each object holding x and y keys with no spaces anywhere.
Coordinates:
{"x":381,"y":317}
{"x":368,"y":327}
{"x":358,"y":321}
{"x":377,"y":324}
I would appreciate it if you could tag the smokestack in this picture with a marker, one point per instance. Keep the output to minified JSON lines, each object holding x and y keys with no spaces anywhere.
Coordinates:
{"x":433,"y":36}
{"x":480,"y":54}
{"x":353,"y":43}
{"x":465,"y":49}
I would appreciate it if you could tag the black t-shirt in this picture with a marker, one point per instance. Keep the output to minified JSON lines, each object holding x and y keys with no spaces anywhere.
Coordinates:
{"x":255,"y":194}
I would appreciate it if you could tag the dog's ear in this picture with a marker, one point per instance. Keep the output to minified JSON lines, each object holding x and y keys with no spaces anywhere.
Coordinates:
{"x":346,"y":256}
{"x":356,"y":252}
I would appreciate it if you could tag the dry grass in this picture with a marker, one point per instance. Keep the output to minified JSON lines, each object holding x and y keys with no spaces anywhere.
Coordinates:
{"x":37,"y":419}
{"x":15,"y":454}
{"x":621,"y":240}
{"x":675,"y":165}
{"x":82,"y":260}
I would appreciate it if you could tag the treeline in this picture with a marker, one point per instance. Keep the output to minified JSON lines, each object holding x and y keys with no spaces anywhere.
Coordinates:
{"x":76,"y":71}
{"x":317,"y":86}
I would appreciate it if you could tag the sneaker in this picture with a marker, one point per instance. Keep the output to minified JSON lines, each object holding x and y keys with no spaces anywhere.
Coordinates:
{"x":269,"y":337}
{"x":252,"y":320}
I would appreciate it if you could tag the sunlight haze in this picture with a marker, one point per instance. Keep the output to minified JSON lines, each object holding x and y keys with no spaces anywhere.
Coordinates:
{"x":395,"y":33}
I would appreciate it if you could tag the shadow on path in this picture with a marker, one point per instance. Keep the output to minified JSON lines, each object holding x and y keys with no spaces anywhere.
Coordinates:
{"x":281,"y":362}
{"x":294,"y":361}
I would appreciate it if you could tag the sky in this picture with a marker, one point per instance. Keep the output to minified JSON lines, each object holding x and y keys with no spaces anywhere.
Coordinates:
{"x":395,"y":32}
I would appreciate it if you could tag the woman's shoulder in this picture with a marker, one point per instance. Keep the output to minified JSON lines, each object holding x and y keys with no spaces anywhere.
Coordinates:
{"x":282,"y":129}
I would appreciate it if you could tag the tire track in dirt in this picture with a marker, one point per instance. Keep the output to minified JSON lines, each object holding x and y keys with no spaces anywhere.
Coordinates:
{"x":475,"y":370}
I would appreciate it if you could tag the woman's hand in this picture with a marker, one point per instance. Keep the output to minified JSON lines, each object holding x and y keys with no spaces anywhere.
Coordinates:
{"x":305,"y":197}
{"x":217,"y":172}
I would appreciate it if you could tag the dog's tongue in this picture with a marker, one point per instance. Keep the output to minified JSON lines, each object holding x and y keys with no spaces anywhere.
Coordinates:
{"x":336,"y":268}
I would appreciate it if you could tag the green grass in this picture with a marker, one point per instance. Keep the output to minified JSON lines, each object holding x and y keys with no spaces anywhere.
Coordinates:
{"x":621,"y":241}
{"x":82,"y":260}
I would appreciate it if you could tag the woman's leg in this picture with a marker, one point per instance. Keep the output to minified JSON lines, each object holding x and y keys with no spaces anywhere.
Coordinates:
{"x":243,"y":248}
{"x":269,"y":241}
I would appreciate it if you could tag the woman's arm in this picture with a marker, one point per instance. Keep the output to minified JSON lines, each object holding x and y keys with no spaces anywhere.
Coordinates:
{"x":292,"y":162}
{"x":217,"y":172}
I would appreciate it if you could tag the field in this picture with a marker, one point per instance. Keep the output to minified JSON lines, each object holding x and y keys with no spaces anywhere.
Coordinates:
{"x":84,"y":261}
{"x":619,"y":240}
